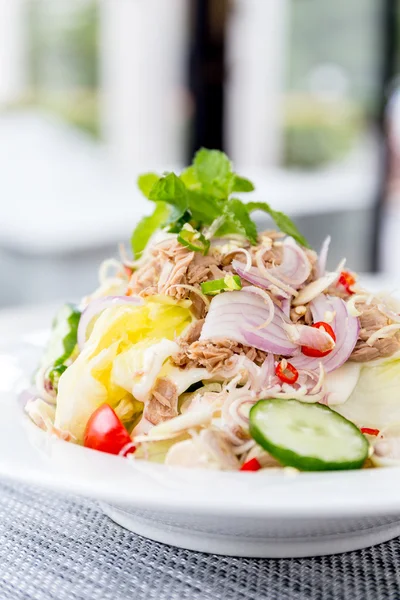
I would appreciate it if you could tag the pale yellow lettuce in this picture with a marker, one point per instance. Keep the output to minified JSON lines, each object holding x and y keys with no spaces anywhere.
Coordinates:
{"x":100,"y":373}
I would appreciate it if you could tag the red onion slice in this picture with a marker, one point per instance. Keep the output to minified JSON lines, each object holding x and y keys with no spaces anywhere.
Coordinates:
{"x":346,"y":328}
{"x":304,"y":335}
{"x":294,"y":269}
{"x":97,"y":306}
{"x":251,"y":275}
{"x":240,"y":316}
{"x":285,"y":305}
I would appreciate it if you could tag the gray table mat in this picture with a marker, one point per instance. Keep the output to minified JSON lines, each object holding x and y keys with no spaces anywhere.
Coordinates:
{"x":54,"y":547}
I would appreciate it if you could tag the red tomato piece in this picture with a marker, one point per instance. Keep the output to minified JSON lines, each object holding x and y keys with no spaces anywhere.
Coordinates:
{"x":105,"y":432}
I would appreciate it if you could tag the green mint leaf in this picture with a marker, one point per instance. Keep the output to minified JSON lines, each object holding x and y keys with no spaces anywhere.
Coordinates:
{"x":147,"y":226}
{"x":238,"y":221}
{"x":189,"y":178}
{"x":240,"y":184}
{"x":203,"y":207}
{"x":237,"y":210}
{"x":213,"y":170}
{"x":146,"y":181}
{"x":211,"y":165}
{"x":282,"y":221}
{"x":176,"y":226}
{"x":172,"y":190}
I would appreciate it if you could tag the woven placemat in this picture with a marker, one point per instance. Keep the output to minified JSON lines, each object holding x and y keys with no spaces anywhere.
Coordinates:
{"x":54,"y":547}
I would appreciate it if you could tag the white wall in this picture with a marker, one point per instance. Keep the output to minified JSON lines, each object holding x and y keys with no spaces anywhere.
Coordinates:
{"x":12,"y":50}
{"x":143,"y":54}
{"x":255,"y":79}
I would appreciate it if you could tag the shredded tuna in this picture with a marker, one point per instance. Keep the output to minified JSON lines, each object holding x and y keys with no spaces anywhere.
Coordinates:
{"x":303,"y":317}
{"x":371,"y":320}
{"x":177,"y":276}
{"x":198,"y":308}
{"x":145,"y":278}
{"x":163,"y":404}
{"x":215,"y":355}
{"x":172,"y":264}
{"x":193,"y":332}
{"x":203,"y":268}
{"x":271,"y":258}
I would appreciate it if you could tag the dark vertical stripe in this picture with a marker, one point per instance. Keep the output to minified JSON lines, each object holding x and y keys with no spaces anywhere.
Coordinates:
{"x":206,"y":73}
{"x":389,"y":44}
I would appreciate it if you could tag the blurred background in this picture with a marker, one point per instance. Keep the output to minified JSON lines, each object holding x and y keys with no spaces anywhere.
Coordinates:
{"x":302,"y":95}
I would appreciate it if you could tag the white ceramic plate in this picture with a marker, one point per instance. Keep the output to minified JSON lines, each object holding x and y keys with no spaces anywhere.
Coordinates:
{"x":243,"y":514}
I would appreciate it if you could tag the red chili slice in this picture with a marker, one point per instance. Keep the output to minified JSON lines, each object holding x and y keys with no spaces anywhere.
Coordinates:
{"x":313,"y":351}
{"x":128,"y":270}
{"x":251,"y":465}
{"x":346,"y":279}
{"x":287,"y":372}
{"x":105,"y":432}
{"x":369,"y":431}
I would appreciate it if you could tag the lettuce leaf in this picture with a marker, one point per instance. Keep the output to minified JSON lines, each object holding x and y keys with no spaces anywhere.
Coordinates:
{"x":147,"y":226}
{"x":375,"y":401}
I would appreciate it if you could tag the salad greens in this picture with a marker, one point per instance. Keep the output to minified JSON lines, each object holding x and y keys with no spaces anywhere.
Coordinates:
{"x":374,"y":401}
{"x":63,"y":336}
{"x":202,"y":197}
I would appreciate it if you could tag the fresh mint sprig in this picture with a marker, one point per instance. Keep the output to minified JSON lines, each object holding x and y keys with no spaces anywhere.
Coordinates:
{"x":200,"y":195}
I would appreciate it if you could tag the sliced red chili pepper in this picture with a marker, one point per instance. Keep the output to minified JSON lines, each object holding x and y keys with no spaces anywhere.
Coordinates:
{"x":251,"y":465}
{"x":369,"y":431}
{"x":313,"y":351}
{"x":105,"y":432}
{"x":346,"y":279}
{"x":128,"y":270}
{"x":287,"y":372}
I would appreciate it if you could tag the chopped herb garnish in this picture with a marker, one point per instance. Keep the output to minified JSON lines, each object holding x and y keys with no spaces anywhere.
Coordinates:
{"x":229,"y":283}
{"x":193,"y":239}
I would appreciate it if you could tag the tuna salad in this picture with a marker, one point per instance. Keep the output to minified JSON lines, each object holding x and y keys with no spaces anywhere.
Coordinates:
{"x":209,"y":344}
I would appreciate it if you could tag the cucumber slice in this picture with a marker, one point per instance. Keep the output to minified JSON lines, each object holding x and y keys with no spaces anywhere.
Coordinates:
{"x":309,"y":437}
{"x":63,"y":337}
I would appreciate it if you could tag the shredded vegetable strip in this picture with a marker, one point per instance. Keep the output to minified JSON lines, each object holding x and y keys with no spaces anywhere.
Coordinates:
{"x":105,"y":267}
